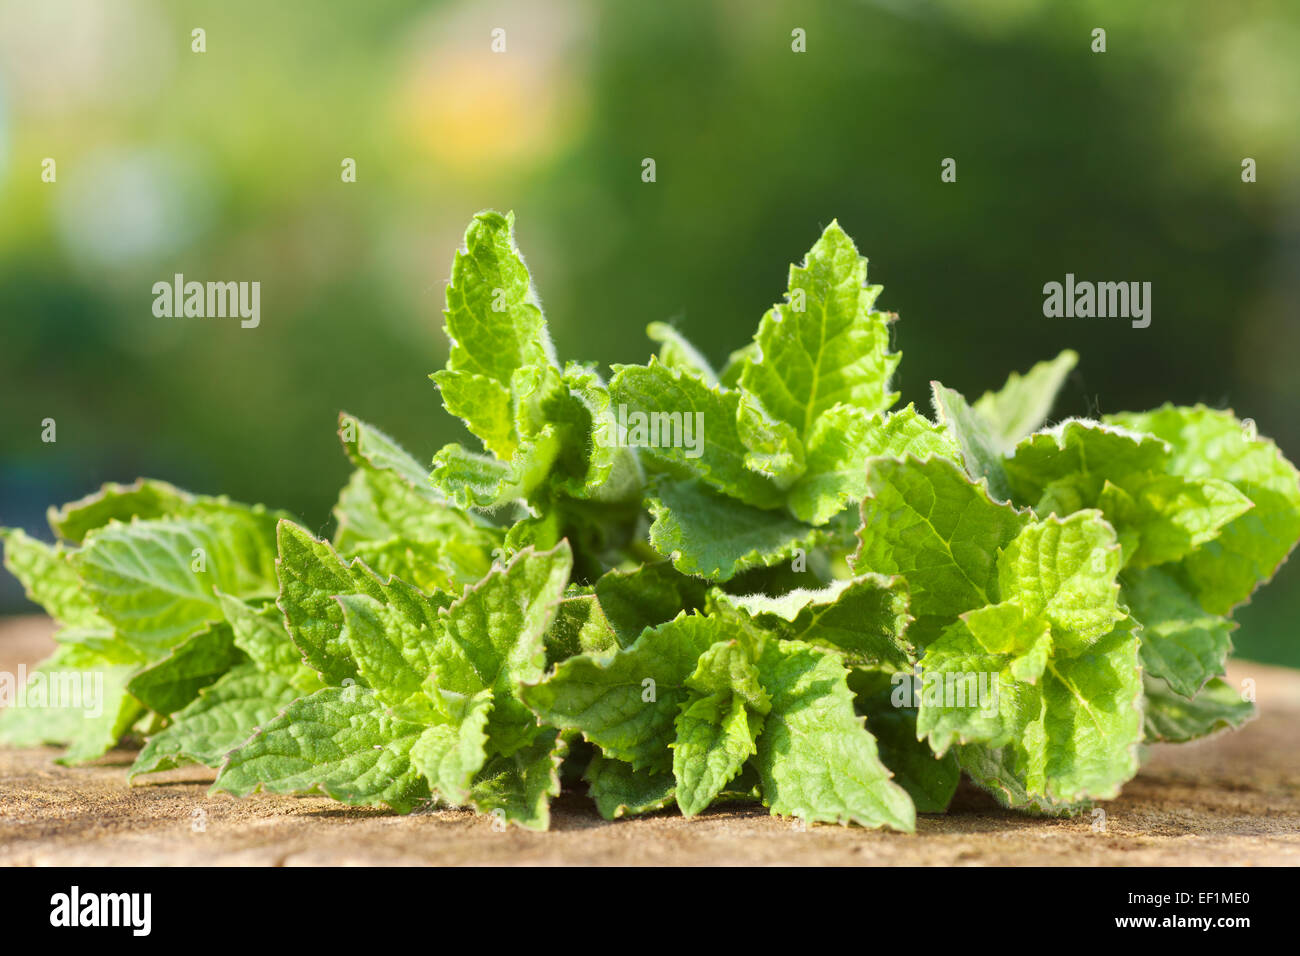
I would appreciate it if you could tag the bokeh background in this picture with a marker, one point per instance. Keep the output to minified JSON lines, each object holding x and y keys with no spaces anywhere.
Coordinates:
{"x":226,"y":165}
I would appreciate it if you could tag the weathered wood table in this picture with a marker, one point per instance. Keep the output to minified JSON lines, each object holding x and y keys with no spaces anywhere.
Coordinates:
{"x":1233,"y":800}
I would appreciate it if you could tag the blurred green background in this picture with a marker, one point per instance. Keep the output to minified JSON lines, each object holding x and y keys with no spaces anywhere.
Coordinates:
{"x":225,"y":165}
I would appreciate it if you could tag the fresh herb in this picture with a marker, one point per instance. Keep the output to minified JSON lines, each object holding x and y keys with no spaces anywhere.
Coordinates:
{"x":682,"y":586}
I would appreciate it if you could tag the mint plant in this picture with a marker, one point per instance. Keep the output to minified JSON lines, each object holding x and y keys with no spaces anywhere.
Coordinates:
{"x":818,"y":602}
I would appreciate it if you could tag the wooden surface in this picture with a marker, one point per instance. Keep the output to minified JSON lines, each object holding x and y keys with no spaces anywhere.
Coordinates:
{"x":1233,"y":800}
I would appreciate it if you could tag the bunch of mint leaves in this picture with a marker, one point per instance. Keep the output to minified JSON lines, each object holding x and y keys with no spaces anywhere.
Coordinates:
{"x":821,"y":604}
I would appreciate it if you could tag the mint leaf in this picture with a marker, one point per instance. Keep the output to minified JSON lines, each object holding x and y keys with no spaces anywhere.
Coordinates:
{"x":714,"y":739}
{"x":981,"y":450}
{"x":1022,"y":405}
{"x":1249,"y":549}
{"x":1171,"y":516}
{"x":222,"y":716}
{"x":663,"y":403}
{"x":716,"y":537}
{"x":450,"y":754}
{"x":1182,"y":643}
{"x":171,"y":683}
{"x":865,"y":618}
{"x":1171,"y":717}
{"x":627,"y":702}
{"x":815,"y":759}
{"x":519,"y":787}
{"x":144,"y":499}
{"x":645,"y":596}
{"x":154,"y":581}
{"x":619,"y":790}
{"x":842,"y":440}
{"x":1084,"y":453}
{"x":824,"y":346}
{"x":493,"y":317}
{"x":343,"y":741}
{"x":929,"y":522}
{"x":678,"y":353}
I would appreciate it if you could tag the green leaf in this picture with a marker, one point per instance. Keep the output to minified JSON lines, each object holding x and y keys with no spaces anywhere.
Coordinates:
{"x":1065,"y":571}
{"x":815,"y":758}
{"x":493,"y":638}
{"x":1022,"y":405}
{"x":1086,"y":452}
{"x":626,"y":702}
{"x":174,"y":681}
{"x":312,"y":576}
{"x":372,"y":450}
{"x":49,"y":579}
{"x":1078,"y":729}
{"x":580,"y":627}
{"x":1172,"y":516}
{"x":259,"y":631}
{"x":678,"y":353}
{"x":153,"y":580}
{"x":493,"y":316}
{"x":484,"y":405}
{"x":224,"y":715}
{"x":665,"y":406}
{"x":715,"y":537}
{"x":963,"y":696}
{"x":714,"y":739}
{"x":619,"y":790}
{"x":929,"y":522}
{"x":645,"y":596}
{"x":518,"y":788}
{"x":450,"y":754}
{"x":392,"y":645}
{"x":842,"y":440}
{"x":929,"y":780}
{"x":865,"y":618}
{"x":144,"y":499}
{"x":1181,"y":642}
{"x":74,"y":698}
{"x":824,"y":346}
{"x":775,"y":450}
{"x":1248,"y":550}
{"x":342,"y":741}
{"x":981,"y":451}
{"x":1171,"y":717}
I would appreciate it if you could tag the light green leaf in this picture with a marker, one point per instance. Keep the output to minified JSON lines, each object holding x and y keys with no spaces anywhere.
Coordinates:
{"x":775,"y":450}
{"x":518,"y":788}
{"x":716,"y":537}
{"x":144,"y":499}
{"x":174,"y":681}
{"x":865,"y":618}
{"x":392,"y":646}
{"x":450,"y":754}
{"x":676,"y":352}
{"x":980,"y":449}
{"x":815,"y":759}
{"x":1171,"y":515}
{"x":260,"y":632}
{"x":929,"y":522}
{"x":1022,"y":405}
{"x":484,"y":405}
{"x":714,"y":739}
{"x":342,"y":741}
{"x":842,"y":440}
{"x":620,"y":790}
{"x":626,"y":702}
{"x":1181,"y":642}
{"x":372,"y":450}
{"x":493,"y":638}
{"x":1090,"y":453}
{"x":493,"y":316}
{"x":1065,"y":570}
{"x":645,"y":596}
{"x":312,"y":576}
{"x":1248,"y":551}
{"x":153,"y":580}
{"x":824,"y":346}
{"x":224,"y":715}
{"x":1173,"y":718}
{"x":665,"y":406}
